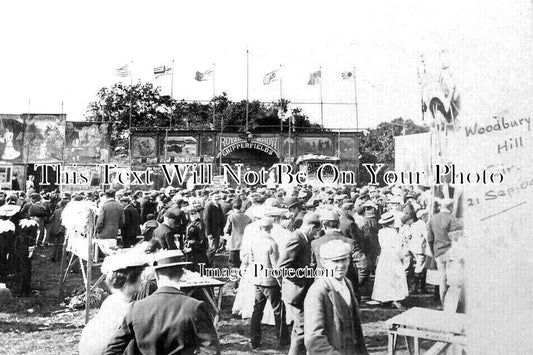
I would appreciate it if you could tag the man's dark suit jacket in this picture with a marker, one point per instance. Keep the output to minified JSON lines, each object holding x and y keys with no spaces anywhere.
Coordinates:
{"x":164,"y":236}
{"x":296,"y":255}
{"x":331,"y":326}
{"x":132,"y":221}
{"x":349,"y":228}
{"x":110,"y":219}
{"x":166,"y":322}
{"x":334,"y":234}
{"x":147,"y":207}
{"x":438,"y":239}
{"x":181,"y":221}
{"x":213,"y":220}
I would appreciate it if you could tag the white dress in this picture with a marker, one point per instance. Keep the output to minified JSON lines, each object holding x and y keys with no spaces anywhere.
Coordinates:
{"x":97,"y":333}
{"x":390,"y":283}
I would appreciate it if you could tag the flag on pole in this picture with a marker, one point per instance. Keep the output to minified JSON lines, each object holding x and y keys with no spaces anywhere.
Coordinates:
{"x":270,"y":77}
{"x":162,"y":70}
{"x":204,"y":76}
{"x":315,"y":77}
{"x":123,"y":71}
{"x":347,"y":75}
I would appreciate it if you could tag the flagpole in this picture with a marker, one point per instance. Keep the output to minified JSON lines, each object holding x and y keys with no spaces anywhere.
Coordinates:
{"x":247,"y":87}
{"x":171,"y":97}
{"x":172,"y":81}
{"x":61,"y":106}
{"x":166,"y":141}
{"x":281,"y":100}
{"x":290,"y":119}
{"x":339,"y":144}
{"x":219,"y":141}
{"x":129,"y":138}
{"x":355,"y":94}
{"x":214,"y":106}
{"x":321,"y":101}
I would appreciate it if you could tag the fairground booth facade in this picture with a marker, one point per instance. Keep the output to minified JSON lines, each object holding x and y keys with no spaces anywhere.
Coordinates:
{"x":81,"y":149}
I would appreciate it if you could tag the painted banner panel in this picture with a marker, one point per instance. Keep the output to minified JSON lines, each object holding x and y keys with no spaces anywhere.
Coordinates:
{"x":87,"y":142}
{"x":176,"y":149}
{"x":11,"y":139}
{"x":144,"y":150}
{"x":320,"y":145}
{"x":44,"y":139}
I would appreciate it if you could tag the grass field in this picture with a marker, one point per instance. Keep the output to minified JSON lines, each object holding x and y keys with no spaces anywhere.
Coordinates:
{"x":39,"y":324}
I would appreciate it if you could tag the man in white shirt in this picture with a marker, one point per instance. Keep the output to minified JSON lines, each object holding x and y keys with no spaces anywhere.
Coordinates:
{"x":417,"y":246}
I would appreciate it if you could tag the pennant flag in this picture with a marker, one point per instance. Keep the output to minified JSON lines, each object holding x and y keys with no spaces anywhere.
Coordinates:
{"x":123,"y":71}
{"x":205,"y":76}
{"x":347,"y":75}
{"x":314,"y":77}
{"x":270,"y":77}
{"x":162,"y":70}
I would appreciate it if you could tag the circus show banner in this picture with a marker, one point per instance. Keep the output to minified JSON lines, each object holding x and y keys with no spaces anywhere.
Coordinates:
{"x":178,"y":148}
{"x":229,"y":143}
{"x":87,"y":142}
{"x":11,"y":138}
{"x":44,"y":138}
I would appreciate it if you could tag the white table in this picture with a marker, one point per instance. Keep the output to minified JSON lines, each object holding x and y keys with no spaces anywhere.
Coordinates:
{"x":422,"y":323}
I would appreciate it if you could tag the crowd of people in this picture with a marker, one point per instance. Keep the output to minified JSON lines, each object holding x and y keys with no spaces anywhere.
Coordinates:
{"x":394,"y":236}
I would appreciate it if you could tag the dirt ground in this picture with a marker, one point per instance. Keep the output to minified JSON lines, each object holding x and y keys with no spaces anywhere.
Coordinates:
{"x":40,"y":324}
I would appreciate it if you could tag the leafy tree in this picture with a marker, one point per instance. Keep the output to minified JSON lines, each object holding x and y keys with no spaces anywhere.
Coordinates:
{"x":150,"y":109}
{"x":378,"y":145}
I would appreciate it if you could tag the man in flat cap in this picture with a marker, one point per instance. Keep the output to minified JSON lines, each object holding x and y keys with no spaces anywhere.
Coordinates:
{"x":330,"y":222}
{"x":214,"y":225}
{"x":350,"y":229}
{"x":297,"y":255}
{"x":296,"y":211}
{"x":195,"y":242}
{"x":163,"y":237}
{"x":332,"y":318}
{"x":132,"y":223}
{"x":167,"y":321}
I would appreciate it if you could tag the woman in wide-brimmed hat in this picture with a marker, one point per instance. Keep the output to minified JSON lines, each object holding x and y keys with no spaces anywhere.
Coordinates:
{"x":390,"y":284}
{"x":123,"y":272}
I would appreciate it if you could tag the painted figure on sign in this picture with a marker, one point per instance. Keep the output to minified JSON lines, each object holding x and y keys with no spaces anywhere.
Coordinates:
{"x":10,"y":152}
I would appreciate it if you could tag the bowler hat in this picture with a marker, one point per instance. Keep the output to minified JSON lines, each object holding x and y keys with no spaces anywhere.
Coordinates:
{"x":292,"y":201}
{"x":311,"y":217}
{"x":170,"y":214}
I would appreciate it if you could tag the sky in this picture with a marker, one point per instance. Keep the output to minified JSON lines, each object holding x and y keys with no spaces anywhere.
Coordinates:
{"x":56,"y":55}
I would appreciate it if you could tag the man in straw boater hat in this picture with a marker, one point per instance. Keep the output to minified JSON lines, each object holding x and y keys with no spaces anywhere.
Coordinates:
{"x":332,"y":320}
{"x":167,"y":321}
